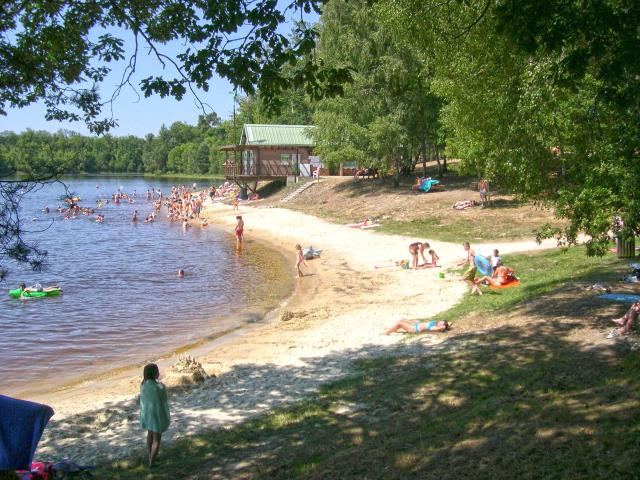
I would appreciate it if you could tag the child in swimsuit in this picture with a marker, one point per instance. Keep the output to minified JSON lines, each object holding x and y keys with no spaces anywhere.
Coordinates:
{"x":409,"y":326}
{"x":299,"y":259}
{"x":434,"y":258}
{"x":239,"y":231}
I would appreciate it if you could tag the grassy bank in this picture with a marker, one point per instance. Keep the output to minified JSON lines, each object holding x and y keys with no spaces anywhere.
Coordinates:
{"x":512,"y":402}
{"x":540,"y":273}
{"x":424,"y":215}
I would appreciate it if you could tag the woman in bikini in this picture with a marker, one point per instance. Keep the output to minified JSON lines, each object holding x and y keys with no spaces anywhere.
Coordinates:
{"x":500,"y":276}
{"x":410,"y":326}
{"x":417,"y":248}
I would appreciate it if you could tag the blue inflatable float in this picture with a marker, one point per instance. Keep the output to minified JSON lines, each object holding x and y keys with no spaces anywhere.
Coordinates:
{"x":427,"y":183}
{"x":483,"y":265}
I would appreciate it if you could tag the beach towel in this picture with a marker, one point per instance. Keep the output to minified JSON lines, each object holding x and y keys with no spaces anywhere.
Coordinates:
{"x":21,"y":426}
{"x":310,"y":253}
{"x":511,"y":283}
{"x":463,"y":204}
{"x":620,"y":297}
{"x":154,"y":406}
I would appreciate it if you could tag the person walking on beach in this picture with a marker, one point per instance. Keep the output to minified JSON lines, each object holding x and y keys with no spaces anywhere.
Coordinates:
{"x":299,"y":260}
{"x":154,"y":409}
{"x":239,"y":232}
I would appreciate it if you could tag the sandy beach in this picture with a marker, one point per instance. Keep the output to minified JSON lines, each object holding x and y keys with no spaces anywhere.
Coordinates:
{"x":338,"y":313}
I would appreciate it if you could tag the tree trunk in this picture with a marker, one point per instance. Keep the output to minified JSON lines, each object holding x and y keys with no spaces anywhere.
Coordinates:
{"x":436,"y":157}
{"x":396,"y":172}
{"x":444,"y":157}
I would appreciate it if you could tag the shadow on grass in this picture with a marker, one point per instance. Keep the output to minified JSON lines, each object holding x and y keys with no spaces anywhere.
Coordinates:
{"x":509,"y":404}
{"x":499,"y":203}
{"x":512,"y":402}
{"x":373,"y":187}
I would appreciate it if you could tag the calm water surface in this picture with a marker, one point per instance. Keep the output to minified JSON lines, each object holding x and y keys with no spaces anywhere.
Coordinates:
{"x":122,"y":301}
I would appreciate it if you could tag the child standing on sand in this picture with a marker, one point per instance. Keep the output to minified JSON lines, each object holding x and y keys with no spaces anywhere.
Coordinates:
{"x":235,"y":202}
{"x":299,"y":259}
{"x":154,"y":409}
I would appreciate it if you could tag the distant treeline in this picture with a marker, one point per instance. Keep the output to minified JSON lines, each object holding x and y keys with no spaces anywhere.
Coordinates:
{"x":180,"y":148}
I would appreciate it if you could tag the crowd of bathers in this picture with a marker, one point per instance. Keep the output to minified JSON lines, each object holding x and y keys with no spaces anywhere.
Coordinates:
{"x":183,"y":203}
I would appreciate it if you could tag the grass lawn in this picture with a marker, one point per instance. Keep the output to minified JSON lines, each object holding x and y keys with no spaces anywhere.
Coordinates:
{"x":425,"y":215}
{"x":510,"y":402}
{"x":539,"y":273}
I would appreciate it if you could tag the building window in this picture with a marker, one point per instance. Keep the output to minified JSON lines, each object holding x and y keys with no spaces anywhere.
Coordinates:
{"x":352,"y":164}
{"x":285,"y":159}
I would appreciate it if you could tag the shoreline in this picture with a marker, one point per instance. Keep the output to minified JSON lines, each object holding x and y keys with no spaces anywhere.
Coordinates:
{"x":338,"y":313}
{"x":92,"y":387}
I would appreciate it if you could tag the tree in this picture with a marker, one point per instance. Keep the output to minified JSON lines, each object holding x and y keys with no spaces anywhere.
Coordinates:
{"x":61,"y":52}
{"x":388,"y":112}
{"x":542,"y":96}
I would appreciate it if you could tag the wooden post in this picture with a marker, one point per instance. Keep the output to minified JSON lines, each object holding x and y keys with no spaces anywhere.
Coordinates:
{"x":341,"y":173}
{"x":626,"y":246}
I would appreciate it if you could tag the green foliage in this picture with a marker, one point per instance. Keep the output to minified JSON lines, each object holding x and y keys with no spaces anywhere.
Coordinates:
{"x":541,"y":97}
{"x":181,"y":148}
{"x":61,"y":52}
{"x":388,"y":113}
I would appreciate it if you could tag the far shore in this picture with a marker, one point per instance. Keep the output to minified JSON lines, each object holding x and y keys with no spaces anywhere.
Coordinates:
{"x":339,"y":312}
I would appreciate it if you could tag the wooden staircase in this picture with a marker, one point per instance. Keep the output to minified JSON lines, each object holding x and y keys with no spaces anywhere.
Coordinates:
{"x":298,"y":191}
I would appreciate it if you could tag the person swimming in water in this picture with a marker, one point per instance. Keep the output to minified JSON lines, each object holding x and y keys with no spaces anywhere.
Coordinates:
{"x":410,"y":326}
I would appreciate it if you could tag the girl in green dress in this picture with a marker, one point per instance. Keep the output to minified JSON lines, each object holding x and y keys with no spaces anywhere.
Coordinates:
{"x":154,"y":409}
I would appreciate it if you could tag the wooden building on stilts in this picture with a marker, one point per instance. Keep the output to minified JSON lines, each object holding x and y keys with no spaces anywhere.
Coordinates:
{"x":268,"y":152}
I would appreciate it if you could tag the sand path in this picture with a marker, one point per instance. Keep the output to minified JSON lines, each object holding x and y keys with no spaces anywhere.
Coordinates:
{"x":339,"y":314}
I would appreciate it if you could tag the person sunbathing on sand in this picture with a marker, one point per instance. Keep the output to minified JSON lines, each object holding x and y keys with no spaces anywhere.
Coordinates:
{"x":626,"y":321}
{"x":409,"y":326}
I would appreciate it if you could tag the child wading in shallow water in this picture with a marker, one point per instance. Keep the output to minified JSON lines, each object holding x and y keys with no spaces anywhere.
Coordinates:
{"x":239,"y":232}
{"x":299,"y":259}
{"x":154,"y":409}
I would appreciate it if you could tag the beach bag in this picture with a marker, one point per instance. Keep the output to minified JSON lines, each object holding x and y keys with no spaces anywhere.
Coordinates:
{"x":44,"y":469}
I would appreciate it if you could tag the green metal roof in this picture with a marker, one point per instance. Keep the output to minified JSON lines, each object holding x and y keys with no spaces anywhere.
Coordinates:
{"x":277,"y":135}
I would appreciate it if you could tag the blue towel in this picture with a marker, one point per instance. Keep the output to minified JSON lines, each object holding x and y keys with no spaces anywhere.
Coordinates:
{"x":21,"y":426}
{"x":620,"y":297}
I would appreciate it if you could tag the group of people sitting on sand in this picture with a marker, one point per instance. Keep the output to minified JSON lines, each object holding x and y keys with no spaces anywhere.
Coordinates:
{"x":499,"y":275}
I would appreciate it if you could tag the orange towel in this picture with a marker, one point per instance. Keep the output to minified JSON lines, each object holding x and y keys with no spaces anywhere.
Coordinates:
{"x":512,"y":283}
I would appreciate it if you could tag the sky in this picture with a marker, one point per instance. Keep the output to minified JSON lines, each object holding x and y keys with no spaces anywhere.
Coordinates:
{"x":135,"y":114}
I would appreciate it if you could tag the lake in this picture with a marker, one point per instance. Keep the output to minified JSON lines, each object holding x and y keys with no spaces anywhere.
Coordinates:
{"x":122,"y":301}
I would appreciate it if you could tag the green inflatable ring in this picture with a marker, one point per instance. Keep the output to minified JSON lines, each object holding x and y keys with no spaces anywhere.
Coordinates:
{"x":17,"y":293}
